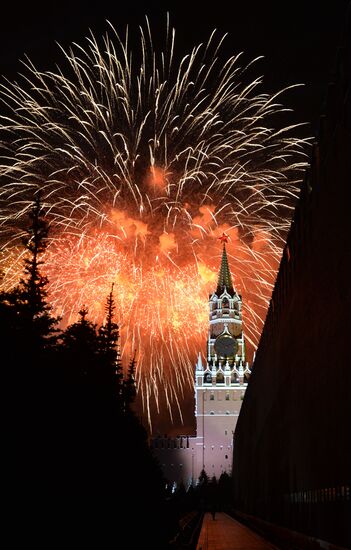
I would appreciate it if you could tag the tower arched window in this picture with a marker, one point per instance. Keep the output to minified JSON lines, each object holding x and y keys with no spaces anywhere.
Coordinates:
{"x":208,"y":378}
{"x":220,"y":378}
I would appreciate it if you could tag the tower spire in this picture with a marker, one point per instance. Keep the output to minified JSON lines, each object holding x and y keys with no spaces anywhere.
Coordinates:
{"x":224,"y":277}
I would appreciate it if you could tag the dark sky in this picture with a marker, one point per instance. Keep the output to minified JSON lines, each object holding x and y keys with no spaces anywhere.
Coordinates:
{"x":298,"y":39}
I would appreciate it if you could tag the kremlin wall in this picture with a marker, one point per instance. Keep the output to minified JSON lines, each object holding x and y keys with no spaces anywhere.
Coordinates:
{"x":292,"y":457}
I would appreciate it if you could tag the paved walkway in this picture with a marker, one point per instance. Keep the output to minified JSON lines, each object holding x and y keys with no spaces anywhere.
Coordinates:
{"x":225,"y":533}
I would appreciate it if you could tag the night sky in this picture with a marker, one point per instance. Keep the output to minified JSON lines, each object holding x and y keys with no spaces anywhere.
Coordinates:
{"x":298,"y":40}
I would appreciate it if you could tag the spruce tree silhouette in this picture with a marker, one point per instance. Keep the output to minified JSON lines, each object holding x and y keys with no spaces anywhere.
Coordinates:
{"x":28,"y":338}
{"x":27,"y":326}
{"x":225,"y":492}
{"x":111,"y":477}
{"x":80,"y":468}
{"x":80,"y":347}
{"x":129,"y":389}
{"x":110,"y":370}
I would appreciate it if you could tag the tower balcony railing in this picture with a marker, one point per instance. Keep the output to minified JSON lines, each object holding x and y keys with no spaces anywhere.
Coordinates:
{"x":218,"y":314}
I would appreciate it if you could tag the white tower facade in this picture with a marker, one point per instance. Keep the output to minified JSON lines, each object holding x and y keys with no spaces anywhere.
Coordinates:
{"x":221,"y":377}
{"x":220,"y":381}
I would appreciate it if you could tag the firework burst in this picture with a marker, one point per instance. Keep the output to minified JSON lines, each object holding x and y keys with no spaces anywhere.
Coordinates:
{"x":142,"y":160}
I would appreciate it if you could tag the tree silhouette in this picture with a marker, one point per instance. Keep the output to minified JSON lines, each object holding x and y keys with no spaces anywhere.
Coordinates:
{"x":28,"y":337}
{"x":31,"y":295}
{"x":203,"y":477}
{"x":225,"y":491}
{"x":27,"y":326}
{"x":129,"y":389}
{"x":81,"y":345}
{"x":79,"y":462}
{"x":110,"y":361}
{"x":35,"y":243}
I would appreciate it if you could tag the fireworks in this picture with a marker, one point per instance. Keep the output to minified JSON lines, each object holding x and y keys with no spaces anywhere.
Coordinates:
{"x":142,"y":160}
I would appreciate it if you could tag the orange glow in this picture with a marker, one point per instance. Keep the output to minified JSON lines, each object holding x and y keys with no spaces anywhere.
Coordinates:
{"x":261,"y":241}
{"x":162,"y":283}
{"x":138,"y":182}
{"x":156,"y":178}
{"x":207,"y":275}
{"x":167,"y":242}
{"x":125,"y":226}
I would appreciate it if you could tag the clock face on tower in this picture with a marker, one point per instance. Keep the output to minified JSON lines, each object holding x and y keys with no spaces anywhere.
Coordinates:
{"x":226,"y":346}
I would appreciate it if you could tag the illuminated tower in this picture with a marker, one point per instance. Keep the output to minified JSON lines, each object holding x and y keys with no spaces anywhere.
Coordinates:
{"x":221,"y":382}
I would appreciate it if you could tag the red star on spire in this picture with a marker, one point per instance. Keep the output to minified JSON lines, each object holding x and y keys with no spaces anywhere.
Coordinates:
{"x":223,"y":238}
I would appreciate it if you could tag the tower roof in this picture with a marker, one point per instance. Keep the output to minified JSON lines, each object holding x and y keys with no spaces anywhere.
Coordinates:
{"x":224,"y":277}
